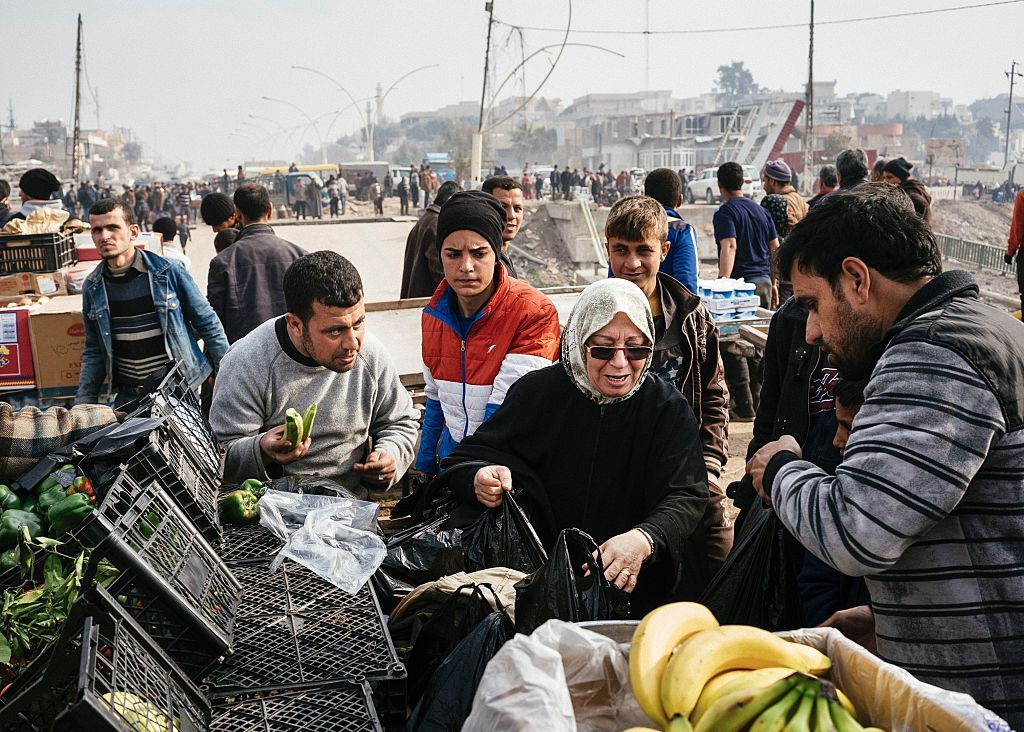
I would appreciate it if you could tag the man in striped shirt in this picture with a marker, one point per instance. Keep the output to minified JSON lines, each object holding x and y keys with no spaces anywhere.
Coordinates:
{"x":140,"y":311}
{"x":926,"y":504}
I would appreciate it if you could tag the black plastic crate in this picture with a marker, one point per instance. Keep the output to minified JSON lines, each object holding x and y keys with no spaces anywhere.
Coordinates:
{"x":139,"y":528}
{"x":248,"y":543}
{"x":100,"y":659}
{"x":164,"y":459}
{"x":36,"y":252}
{"x":347,"y":708}
{"x":296,"y":630}
{"x":192,"y":428}
{"x":171,"y":623}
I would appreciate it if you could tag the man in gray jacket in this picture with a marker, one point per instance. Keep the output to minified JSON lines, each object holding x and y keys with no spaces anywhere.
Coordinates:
{"x":317,"y":353}
{"x":244,"y":283}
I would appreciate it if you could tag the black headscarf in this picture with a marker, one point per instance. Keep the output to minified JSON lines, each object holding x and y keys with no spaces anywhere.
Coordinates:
{"x":39,"y":184}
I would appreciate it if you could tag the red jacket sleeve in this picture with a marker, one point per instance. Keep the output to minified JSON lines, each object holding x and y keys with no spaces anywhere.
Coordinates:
{"x":1016,"y":238}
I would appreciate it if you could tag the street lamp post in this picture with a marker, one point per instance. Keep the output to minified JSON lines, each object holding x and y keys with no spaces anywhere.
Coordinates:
{"x":370,"y":119}
{"x":312,"y":122}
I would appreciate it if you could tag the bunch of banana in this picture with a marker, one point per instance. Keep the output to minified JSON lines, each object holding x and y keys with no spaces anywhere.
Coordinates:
{"x":687,"y":673}
{"x":797,"y":702}
{"x":297,"y":427}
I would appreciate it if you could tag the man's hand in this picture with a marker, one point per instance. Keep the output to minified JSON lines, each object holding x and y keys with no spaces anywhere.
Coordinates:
{"x":276,"y":449}
{"x":857,"y":624}
{"x":759,"y":462}
{"x":1008,"y":258}
{"x":623,"y":556}
{"x":379,"y":467}
{"x":775,"y":296}
{"x":490,"y":484}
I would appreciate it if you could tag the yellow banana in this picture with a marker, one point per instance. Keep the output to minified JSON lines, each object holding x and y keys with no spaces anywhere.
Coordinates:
{"x":801,"y":720}
{"x":679,"y":724}
{"x":847,"y":704}
{"x":774,"y":718}
{"x":731,"y":681}
{"x":655,"y":638}
{"x":733,"y":712}
{"x":710,"y":652}
{"x":817,"y":662}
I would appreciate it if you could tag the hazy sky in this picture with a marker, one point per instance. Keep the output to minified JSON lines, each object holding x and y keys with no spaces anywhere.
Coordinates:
{"x":186,"y":75}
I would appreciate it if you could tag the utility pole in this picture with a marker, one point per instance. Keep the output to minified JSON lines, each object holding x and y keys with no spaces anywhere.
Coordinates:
{"x":1012,"y":74}
{"x":647,"y":46}
{"x":369,"y":133}
{"x":809,"y":109}
{"x":76,"y":135}
{"x":476,"y":156}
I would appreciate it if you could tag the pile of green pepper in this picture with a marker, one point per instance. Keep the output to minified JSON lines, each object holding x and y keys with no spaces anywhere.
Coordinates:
{"x":49,"y":510}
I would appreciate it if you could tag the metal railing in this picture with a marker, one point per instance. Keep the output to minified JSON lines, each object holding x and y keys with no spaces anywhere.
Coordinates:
{"x":983,"y":256}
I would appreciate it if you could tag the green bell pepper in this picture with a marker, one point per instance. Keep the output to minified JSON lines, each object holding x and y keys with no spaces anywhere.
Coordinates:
{"x":8,"y":499}
{"x":50,"y":498}
{"x":68,"y":513}
{"x":11,"y":522}
{"x":48,"y":483}
{"x":254,"y":486}
{"x":240,"y":507}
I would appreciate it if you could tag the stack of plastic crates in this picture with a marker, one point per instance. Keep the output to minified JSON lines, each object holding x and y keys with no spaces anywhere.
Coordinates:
{"x":296,"y":631}
{"x":170,"y":579}
{"x":103,"y":673}
{"x":182,"y":455}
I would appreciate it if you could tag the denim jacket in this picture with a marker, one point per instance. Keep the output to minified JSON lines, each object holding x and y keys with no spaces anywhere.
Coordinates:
{"x":184,"y":315}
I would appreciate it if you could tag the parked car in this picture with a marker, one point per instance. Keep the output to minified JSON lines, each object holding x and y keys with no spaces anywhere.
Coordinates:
{"x":705,"y":186}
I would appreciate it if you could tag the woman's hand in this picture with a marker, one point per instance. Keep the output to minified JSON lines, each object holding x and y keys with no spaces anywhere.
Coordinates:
{"x":623,"y":555}
{"x":490,"y":484}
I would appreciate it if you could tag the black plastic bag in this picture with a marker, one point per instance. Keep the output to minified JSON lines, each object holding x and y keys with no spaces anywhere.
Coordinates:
{"x":560,"y":589}
{"x":757,"y":584}
{"x":106,"y":452}
{"x":503,"y":537}
{"x":448,"y":699}
{"x":424,"y":553}
{"x":439,"y":636}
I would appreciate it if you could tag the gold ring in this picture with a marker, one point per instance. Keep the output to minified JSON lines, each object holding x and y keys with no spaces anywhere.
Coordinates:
{"x":626,"y":572}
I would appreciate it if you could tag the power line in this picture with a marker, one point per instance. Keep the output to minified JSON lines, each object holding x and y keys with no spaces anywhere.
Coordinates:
{"x":695,"y":31}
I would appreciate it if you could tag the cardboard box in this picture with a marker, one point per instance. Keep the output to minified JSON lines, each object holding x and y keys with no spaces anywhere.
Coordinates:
{"x":16,"y":371}
{"x":58,"y":339}
{"x":50,"y":284}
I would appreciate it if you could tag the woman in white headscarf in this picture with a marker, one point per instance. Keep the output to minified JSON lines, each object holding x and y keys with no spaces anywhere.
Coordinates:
{"x":597,"y":443}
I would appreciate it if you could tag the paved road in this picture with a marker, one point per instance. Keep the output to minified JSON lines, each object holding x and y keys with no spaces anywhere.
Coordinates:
{"x":377,"y":250}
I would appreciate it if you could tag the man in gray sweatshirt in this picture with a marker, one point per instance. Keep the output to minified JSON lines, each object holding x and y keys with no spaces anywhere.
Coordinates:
{"x":318,"y":352}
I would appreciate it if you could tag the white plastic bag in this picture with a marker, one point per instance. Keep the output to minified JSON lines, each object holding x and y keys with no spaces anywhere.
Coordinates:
{"x":332,"y":536}
{"x":560,"y":678}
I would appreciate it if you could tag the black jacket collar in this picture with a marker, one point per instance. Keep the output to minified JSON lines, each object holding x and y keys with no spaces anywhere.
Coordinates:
{"x":941,"y":289}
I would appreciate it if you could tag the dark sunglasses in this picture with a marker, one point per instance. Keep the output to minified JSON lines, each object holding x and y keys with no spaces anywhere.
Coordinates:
{"x":633,"y":353}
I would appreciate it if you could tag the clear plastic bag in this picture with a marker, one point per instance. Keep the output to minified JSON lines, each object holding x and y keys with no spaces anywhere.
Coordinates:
{"x":334,"y":537}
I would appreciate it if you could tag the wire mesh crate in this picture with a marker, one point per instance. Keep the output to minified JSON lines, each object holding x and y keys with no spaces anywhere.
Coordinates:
{"x":163,"y":458}
{"x":104,"y":673}
{"x":295,"y":630}
{"x":347,"y":708}
{"x":138,"y":527}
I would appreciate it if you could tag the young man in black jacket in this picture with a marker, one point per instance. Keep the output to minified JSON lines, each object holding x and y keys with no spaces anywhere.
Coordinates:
{"x":246,"y":280}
